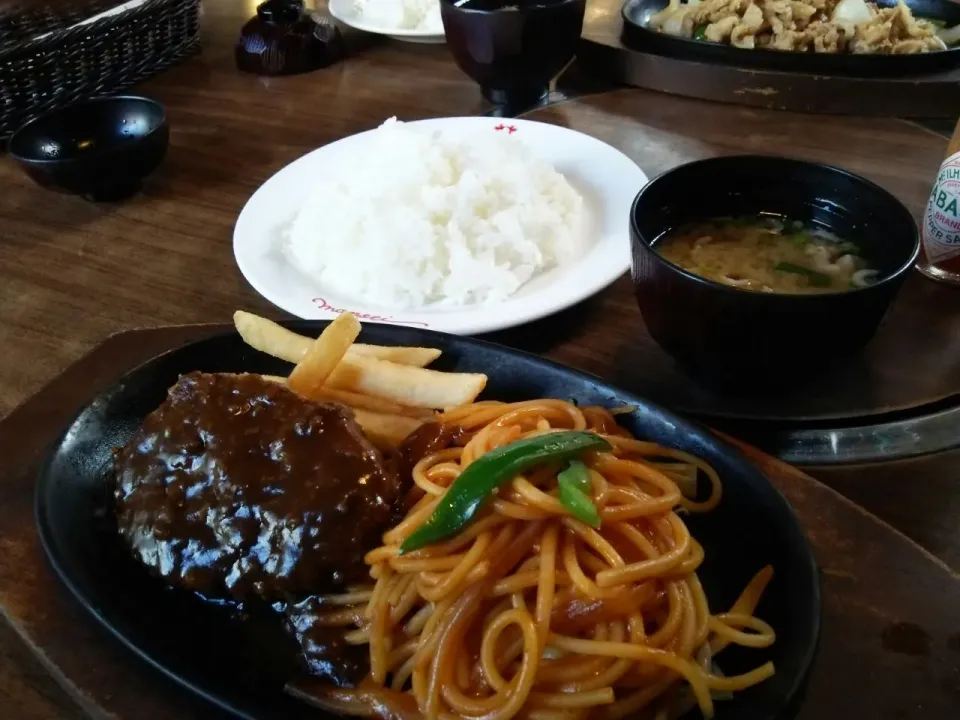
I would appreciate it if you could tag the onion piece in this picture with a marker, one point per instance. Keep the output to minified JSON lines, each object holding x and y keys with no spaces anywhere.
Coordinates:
{"x":853,"y":12}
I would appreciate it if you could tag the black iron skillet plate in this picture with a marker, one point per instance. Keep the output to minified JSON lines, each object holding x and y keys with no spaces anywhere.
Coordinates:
{"x":637,"y":35}
{"x":242,"y":666}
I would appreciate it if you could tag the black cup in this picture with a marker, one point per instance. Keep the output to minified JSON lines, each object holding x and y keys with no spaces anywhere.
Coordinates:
{"x":513,"y":49}
{"x":101,"y":149}
{"x":742,"y":340}
{"x":284,"y":39}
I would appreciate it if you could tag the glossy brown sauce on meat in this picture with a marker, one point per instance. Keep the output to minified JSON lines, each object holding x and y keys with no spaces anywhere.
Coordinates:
{"x":324,"y":651}
{"x":428,"y":439}
{"x":235,"y":486}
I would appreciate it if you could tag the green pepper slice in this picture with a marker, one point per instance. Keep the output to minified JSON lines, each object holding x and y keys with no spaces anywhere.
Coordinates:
{"x":573,"y":484}
{"x":577,"y":475}
{"x":477,"y":483}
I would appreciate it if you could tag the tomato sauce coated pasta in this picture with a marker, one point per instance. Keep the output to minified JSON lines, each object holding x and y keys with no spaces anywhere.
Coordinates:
{"x":530,"y":612}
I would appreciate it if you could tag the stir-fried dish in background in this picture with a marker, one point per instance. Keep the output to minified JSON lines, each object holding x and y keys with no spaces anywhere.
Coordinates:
{"x":823,"y":26}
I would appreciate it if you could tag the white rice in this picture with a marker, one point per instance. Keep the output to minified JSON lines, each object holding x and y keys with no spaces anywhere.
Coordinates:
{"x":420,"y":218}
{"x":401,"y":14}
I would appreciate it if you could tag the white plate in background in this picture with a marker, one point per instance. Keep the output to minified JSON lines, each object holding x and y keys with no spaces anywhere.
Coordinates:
{"x":606,"y":178}
{"x":346,"y":12}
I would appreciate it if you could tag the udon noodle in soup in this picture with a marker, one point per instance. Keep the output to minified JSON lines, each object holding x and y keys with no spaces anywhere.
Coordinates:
{"x":767,"y":254}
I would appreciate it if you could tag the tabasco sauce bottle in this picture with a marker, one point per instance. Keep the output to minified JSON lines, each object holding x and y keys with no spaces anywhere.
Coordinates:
{"x":940,"y":233}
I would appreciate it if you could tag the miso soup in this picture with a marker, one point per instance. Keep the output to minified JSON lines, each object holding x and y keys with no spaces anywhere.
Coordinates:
{"x":766,"y":253}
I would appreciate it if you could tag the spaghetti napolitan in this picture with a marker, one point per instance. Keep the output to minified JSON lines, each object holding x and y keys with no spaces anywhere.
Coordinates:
{"x":529,"y":611}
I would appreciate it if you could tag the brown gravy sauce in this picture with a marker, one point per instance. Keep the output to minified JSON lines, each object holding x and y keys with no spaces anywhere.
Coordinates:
{"x":238,"y":490}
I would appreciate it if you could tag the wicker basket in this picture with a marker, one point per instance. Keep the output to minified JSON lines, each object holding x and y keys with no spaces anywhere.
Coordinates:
{"x":54,"y":53}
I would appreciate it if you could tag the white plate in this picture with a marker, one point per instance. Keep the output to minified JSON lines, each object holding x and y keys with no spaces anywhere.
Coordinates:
{"x":606,"y":178}
{"x":345,"y":12}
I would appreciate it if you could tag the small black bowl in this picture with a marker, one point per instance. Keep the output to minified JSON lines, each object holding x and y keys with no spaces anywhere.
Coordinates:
{"x":744,"y":340}
{"x":101,"y":149}
{"x":512,"y":48}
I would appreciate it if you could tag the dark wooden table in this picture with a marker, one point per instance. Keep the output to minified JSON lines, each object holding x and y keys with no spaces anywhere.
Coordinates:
{"x":72,"y":273}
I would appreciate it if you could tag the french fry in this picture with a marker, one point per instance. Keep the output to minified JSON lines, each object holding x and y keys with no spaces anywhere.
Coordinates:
{"x":357,"y":401}
{"x":402,"y":355}
{"x":385,"y":431}
{"x":369,"y":403}
{"x":384,"y":417}
{"x":406,"y":385}
{"x":384,"y":380}
{"x":266,"y":336}
{"x":326,"y":352}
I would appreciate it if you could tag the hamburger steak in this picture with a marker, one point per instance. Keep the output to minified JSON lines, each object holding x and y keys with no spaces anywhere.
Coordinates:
{"x":237,"y":488}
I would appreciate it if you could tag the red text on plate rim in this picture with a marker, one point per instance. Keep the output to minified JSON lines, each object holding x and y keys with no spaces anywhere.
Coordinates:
{"x":324,"y":305}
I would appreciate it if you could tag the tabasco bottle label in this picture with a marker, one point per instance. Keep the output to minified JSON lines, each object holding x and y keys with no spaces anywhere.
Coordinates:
{"x":941,"y":222}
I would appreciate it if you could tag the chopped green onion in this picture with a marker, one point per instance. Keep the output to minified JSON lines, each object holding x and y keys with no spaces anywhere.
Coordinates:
{"x":817,"y":279}
{"x":700,"y":32}
{"x":847,"y":248}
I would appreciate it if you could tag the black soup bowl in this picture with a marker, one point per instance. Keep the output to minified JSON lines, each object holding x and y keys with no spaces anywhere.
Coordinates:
{"x":101,"y":149}
{"x":738,"y":339}
{"x":512,"y":48}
